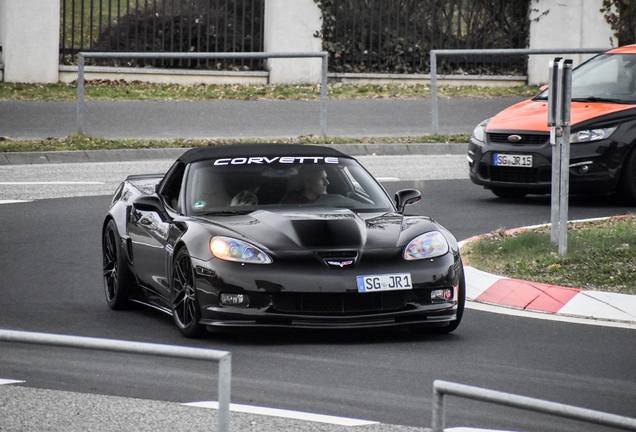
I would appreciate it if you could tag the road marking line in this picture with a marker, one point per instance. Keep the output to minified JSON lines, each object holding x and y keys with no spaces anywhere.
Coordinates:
{"x":298,"y":415}
{"x":387,"y":179}
{"x":13,"y":201}
{"x":509,"y":310}
{"x":52,"y":183}
{"x":469,"y":429}
{"x":8,"y":381}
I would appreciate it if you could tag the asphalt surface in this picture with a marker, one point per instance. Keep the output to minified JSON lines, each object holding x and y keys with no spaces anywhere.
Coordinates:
{"x":244,"y":119}
{"x":23,"y":408}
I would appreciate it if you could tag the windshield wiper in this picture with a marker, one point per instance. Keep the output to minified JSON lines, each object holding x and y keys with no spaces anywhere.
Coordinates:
{"x":602,"y":99}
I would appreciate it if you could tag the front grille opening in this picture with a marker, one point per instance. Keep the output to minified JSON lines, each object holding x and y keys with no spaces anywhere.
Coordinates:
{"x":339,"y":303}
{"x":526,"y":139}
{"x":514,"y":175}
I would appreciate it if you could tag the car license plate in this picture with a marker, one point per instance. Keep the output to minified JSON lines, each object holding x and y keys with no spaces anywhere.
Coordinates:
{"x":384,"y":282}
{"x":524,"y":161}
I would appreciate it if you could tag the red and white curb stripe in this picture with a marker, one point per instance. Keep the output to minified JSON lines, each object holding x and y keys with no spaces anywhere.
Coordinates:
{"x":533,"y":296}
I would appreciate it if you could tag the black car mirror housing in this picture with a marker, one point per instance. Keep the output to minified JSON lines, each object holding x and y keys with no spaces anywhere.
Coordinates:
{"x":406,"y":197}
{"x":151,"y":203}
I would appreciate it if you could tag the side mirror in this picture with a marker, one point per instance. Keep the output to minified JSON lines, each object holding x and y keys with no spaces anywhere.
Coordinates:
{"x":151,"y":203}
{"x":406,"y":197}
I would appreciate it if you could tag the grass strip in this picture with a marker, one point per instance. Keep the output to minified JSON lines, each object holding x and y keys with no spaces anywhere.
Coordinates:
{"x":83,"y":142}
{"x":138,"y":90}
{"x":601,"y":255}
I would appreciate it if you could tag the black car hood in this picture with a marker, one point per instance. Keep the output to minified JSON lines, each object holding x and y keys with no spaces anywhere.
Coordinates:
{"x":326,"y":229}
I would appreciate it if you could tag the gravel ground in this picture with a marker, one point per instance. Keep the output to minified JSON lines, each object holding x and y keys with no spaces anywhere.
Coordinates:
{"x":27,"y":409}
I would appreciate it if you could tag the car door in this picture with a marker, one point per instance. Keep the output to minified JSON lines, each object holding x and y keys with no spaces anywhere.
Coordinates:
{"x":149,"y":230}
{"x":149,"y":234}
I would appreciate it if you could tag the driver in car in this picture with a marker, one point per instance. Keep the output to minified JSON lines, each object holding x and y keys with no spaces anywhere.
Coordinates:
{"x":309,"y":185}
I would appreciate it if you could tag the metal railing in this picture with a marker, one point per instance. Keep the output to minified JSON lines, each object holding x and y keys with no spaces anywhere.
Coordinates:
{"x":163,"y":26}
{"x":441,"y":388}
{"x":81,"y":58}
{"x":223,"y":358}
{"x":493,"y":52}
{"x":376,"y":36}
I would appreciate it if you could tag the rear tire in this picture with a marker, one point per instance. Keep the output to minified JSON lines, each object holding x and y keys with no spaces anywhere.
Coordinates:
{"x":118,"y":279}
{"x":185,"y":305}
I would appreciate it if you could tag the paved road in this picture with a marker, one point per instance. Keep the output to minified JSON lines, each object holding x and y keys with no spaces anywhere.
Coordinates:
{"x":32,"y":408}
{"x":295,"y":371}
{"x":244,"y":119}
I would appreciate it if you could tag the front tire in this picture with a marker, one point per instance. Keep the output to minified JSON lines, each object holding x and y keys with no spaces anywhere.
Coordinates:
{"x":452,"y":325}
{"x":627,"y":185}
{"x":185,"y":306}
{"x":461,"y":301}
{"x":118,"y":280}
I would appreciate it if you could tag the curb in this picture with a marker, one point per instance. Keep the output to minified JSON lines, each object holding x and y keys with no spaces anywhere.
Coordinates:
{"x":539,"y":297}
{"x":122,"y":155}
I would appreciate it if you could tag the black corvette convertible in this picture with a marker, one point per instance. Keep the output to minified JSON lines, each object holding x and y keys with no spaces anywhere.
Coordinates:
{"x":278,"y":236}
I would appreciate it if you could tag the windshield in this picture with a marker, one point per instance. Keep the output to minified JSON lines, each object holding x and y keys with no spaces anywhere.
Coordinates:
{"x":243,"y":185}
{"x":604,"y":78}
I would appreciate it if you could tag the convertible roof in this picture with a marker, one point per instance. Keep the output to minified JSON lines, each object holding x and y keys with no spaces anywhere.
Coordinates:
{"x":238,"y":150}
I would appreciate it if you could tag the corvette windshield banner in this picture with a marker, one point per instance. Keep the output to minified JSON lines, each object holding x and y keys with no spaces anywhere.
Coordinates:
{"x":260,"y":160}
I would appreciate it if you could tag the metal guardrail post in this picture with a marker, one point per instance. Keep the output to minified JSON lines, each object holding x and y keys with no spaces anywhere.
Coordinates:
{"x":217,"y":55}
{"x":80,"y":93}
{"x":434,"y":112}
{"x":495,"y":52}
{"x":223,"y":358}
{"x":440,"y":388}
{"x":324,"y":95}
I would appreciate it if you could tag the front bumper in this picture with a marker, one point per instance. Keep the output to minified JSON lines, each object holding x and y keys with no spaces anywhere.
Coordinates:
{"x":311,"y":297}
{"x":594,"y":166}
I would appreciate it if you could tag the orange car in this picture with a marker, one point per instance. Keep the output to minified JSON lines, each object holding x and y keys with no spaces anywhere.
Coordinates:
{"x":511,"y":154}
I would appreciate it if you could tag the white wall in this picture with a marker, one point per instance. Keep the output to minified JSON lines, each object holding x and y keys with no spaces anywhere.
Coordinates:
{"x":290,"y":26}
{"x":29,"y":35}
{"x":568,"y":24}
{"x":30,"y":40}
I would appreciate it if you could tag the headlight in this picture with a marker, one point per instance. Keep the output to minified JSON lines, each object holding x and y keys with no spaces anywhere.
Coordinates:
{"x":592,"y":134}
{"x":230,"y":249}
{"x":478,"y":132}
{"x":429,"y":245}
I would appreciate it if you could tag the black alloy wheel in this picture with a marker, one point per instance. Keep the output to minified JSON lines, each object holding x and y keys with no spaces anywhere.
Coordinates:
{"x":118,"y":280}
{"x":185,"y":307}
